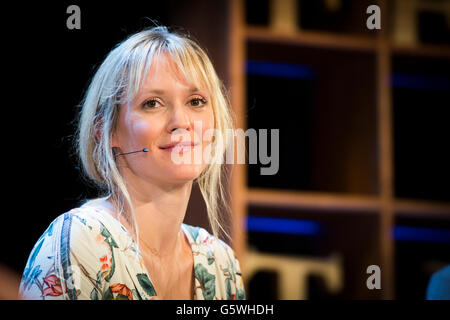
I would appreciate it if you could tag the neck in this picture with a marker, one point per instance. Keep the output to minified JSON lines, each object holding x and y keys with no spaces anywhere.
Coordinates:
{"x":159,"y":212}
{"x":160,"y":216}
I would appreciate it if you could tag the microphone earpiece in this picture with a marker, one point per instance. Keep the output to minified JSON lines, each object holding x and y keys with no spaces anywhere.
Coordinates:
{"x":122,"y":154}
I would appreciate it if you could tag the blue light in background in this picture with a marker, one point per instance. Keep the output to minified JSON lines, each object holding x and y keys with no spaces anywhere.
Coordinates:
{"x":312,"y":228}
{"x":281,"y":70}
{"x":410,"y":81}
{"x":278,"y":225}
{"x":298,"y":71}
{"x":417,"y":234}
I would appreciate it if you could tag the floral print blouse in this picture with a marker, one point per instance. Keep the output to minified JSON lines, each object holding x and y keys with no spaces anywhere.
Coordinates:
{"x":88,"y":254}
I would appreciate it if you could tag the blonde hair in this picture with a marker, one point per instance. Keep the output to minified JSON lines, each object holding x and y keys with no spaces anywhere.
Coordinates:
{"x":118,"y":79}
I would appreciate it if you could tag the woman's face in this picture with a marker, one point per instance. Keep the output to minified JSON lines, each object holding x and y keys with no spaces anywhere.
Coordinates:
{"x":166,"y":110}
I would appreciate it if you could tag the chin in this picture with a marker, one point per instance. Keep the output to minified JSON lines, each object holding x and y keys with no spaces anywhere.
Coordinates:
{"x":184,"y":173}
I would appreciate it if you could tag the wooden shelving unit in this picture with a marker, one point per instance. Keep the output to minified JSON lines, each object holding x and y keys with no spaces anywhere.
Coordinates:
{"x":383,"y":203}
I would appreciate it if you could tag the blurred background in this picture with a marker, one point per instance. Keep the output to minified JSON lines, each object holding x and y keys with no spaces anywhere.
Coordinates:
{"x":363,"y":119}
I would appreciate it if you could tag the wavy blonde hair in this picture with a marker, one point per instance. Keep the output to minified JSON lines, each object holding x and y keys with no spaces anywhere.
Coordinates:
{"x":117,"y":80}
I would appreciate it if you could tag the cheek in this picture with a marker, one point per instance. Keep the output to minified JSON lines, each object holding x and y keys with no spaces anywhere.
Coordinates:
{"x":207,"y":125}
{"x":141,"y":133}
{"x":207,"y":136}
{"x":147,"y":132}
{"x":141,"y":129}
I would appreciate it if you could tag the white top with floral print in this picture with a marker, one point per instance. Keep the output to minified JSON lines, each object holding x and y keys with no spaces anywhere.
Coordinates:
{"x":88,"y":254}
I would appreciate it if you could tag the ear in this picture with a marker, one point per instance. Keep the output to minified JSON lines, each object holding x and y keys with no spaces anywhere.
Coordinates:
{"x":98,"y":128}
{"x":114,"y":142}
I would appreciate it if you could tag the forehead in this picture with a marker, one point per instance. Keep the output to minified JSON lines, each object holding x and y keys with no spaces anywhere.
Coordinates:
{"x":165,"y":71}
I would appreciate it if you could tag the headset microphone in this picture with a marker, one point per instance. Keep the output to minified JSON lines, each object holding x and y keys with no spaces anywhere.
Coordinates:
{"x":122,"y":154}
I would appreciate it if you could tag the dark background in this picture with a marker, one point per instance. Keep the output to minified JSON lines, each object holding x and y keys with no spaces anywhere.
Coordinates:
{"x":48,"y":68}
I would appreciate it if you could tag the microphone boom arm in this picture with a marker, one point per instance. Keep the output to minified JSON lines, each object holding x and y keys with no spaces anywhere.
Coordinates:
{"x":122,"y":154}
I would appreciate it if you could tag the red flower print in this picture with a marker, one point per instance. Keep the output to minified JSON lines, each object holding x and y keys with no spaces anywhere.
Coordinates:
{"x":122,"y":290}
{"x":105,"y":265}
{"x":54,"y":286}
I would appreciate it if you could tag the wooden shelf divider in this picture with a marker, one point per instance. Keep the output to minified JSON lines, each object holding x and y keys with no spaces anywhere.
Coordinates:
{"x":343,"y":42}
{"x":409,"y":207}
{"x":312,"y":38}
{"x":313,"y":200}
{"x":425,"y":50}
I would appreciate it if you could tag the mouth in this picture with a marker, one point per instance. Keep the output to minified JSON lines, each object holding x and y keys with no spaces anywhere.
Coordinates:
{"x":179,"y":145}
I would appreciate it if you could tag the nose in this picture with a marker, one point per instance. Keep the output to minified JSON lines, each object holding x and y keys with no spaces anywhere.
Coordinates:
{"x":179,"y":119}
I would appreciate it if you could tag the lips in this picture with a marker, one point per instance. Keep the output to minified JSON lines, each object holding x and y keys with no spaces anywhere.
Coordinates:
{"x":178,"y":145}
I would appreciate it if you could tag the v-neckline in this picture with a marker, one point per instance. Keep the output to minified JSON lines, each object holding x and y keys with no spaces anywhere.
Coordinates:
{"x":186,"y":232}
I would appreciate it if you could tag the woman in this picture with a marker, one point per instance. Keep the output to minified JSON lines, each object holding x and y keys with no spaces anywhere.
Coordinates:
{"x":147,"y":112}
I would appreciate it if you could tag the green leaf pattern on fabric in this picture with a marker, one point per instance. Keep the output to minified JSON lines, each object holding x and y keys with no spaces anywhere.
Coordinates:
{"x":207,"y":280}
{"x":146,"y":284}
{"x":108,"y":295}
{"x":94,"y":294}
{"x":112,"y":244}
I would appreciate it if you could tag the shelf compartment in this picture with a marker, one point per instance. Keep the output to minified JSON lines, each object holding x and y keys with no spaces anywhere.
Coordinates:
{"x":327,"y":142}
{"x":345,"y":16}
{"x":420,"y":91}
{"x":339,"y":17}
{"x":351,"y":236}
{"x":421,"y":248}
